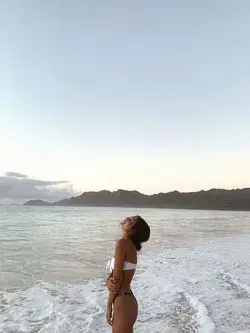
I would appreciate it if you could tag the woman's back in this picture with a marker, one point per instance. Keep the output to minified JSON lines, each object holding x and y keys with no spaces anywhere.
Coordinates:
{"x":130,"y":258}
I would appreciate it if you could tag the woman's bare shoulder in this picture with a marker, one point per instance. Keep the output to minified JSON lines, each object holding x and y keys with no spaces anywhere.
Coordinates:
{"x":123,"y":243}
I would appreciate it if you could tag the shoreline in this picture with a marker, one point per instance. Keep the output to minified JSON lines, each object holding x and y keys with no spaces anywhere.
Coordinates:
{"x":138,"y":207}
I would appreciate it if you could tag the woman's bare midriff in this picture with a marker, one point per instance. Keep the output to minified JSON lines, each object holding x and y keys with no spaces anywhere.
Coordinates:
{"x":126,"y":281}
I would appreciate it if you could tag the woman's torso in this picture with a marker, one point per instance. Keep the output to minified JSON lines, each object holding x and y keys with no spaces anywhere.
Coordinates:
{"x":129,"y":266}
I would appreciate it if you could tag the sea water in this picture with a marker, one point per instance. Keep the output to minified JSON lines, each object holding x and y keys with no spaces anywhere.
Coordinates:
{"x":193,"y":275}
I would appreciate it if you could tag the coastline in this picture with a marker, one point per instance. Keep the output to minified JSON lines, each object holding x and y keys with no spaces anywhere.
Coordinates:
{"x":141,"y":207}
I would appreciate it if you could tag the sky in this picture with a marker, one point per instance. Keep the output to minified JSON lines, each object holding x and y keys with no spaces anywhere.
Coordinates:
{"x":146,"y":95}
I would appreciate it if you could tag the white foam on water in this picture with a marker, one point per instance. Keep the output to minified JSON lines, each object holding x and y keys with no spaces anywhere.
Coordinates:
{"x":53,"y":308}
{"x":235,"y":281}
{"x":206,"y":325}
{"x":178,"y":291}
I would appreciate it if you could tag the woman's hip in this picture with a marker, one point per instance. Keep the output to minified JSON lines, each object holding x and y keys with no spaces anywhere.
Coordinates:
{"x":125,"y":309}
{"x":128,"y":294}
{"x":126,"y":301}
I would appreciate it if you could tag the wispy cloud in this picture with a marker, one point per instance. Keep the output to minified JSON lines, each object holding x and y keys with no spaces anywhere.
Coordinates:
{"x":15,"y":174}
{"x":14,"y":185}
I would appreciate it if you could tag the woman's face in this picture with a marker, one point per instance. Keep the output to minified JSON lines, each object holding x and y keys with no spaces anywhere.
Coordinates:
{"x":127,"y":225}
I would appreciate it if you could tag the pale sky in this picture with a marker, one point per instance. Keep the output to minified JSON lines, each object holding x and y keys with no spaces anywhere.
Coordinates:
{"x":146,"y":95}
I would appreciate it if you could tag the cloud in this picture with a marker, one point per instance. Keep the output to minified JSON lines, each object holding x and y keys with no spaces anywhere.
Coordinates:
{"x":14,"y":185}
{"x":15,"y":174}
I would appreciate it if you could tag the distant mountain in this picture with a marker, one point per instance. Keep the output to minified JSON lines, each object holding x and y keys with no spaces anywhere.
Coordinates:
{"x":37,"y":203}
{"x":216,"y":199}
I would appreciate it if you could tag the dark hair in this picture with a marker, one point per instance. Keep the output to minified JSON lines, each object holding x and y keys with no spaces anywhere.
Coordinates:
{"x":141,"y":232}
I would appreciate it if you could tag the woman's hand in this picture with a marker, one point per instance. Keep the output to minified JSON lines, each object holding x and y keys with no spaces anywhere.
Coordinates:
{"x":113,"y":285}
{"x":109,"y":315}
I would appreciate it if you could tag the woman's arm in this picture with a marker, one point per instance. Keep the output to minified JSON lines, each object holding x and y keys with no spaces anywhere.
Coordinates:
{"x":114,"y":282}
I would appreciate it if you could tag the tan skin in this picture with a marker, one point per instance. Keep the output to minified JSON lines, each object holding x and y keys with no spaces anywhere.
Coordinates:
{"x":122,"y":310}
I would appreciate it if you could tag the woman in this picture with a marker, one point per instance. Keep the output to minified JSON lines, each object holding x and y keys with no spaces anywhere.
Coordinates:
{"x":122,"y":306}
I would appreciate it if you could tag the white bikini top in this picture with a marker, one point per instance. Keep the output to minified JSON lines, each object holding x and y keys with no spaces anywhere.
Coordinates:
{"x":126,"y":267}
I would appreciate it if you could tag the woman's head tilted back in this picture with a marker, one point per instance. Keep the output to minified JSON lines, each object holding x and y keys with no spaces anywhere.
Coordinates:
{"x":137,"y":229}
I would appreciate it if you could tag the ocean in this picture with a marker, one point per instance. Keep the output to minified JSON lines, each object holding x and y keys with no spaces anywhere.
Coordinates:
{"x":193,"y":275}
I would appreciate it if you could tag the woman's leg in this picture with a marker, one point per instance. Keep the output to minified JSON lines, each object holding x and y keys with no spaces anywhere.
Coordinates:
{"x":125,"y":314}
